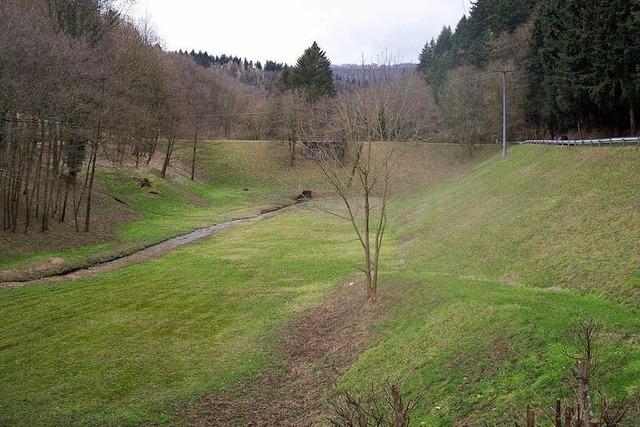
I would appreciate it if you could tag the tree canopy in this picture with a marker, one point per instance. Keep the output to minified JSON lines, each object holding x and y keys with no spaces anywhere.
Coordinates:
{"x":583,"y":64}
{"x":469,"y":43}
{"x":311,"y":74}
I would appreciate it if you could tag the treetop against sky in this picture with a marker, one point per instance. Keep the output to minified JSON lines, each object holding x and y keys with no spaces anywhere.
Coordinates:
{"x":263,"y":30}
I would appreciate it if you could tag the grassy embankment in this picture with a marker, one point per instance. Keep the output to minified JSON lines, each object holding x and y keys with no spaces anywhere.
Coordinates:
{"x":230,"y":184}
{"x":495,"y":268}
{"x":500,"y":266}
{"x":234,"y":179}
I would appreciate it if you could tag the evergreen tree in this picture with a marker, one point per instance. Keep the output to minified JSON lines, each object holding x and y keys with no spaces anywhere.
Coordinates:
{"x":437,"y":58}
{"x":284,"y":81}
{"x":312,"y":74}
{"x":543,"y":67}
{"x":426,"y":58}
{"x":583,"y":64}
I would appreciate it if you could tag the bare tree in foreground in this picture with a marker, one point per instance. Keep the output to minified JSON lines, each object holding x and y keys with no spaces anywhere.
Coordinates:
{"x":371,"y":121}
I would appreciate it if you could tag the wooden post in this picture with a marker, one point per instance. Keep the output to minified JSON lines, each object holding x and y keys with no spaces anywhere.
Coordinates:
{"x":504,"y":114}
{"x":531,"y":417}
{"x":558,"y":419}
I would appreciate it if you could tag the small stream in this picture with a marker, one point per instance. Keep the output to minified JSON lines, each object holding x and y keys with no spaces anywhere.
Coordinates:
{"x":144,"y":254}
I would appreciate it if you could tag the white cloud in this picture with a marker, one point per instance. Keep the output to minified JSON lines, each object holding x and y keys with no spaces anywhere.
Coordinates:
{"x":282,"y":29}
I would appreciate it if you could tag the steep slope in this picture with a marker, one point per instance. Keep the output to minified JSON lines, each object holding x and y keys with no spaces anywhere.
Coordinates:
{"x":497,"y":269}
{"x":546,"y":216}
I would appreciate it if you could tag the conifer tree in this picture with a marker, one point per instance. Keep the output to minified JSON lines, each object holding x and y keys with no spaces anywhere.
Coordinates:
{"x":313,"y":74}
{"x":583,"y":64}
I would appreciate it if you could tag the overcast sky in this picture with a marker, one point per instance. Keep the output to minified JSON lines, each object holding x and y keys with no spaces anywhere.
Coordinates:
{"x":282,"y":29}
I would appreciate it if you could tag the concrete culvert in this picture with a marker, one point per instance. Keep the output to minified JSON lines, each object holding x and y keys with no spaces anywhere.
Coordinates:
{"x":305,"y":195}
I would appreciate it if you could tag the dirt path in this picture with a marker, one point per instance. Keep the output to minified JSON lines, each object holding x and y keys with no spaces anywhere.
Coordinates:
{"x":316,"y":350}
{"x":141,"y":256}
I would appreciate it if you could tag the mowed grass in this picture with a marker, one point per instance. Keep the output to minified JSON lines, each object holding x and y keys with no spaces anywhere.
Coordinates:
{"x":234,"y":179}
{"x":227,"y":188}
{"x":480,"y":331}
{"x":480,"y":352}
{"x":546,"y":216}
{"x":121,"y":348}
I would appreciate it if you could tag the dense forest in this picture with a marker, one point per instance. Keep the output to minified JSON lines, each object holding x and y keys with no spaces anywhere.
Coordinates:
{"x":577,"y":60}
{"x":208,"y":61}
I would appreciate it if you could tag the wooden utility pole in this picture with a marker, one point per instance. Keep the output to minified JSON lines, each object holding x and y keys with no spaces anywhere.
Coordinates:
{"x":504,"y":113}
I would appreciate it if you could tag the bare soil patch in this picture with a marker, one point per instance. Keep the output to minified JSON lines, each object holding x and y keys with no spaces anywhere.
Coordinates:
{"x":316,"y":349}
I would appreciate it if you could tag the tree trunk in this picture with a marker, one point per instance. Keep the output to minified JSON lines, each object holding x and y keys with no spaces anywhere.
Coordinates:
{"x":153,"y":147}
{"x":195,"y":147}
{"x":63,"y":211}
{"x":77,"y":201}
{"x":45,"y":206}
{"x":36,"y":182}
{"x":632,"y":118}
{"x":87,"y":218}
{"x":580,"y":129}
{"x":292,"y":152}
{"x":371,"y":291}
{"x":169,"y":151}
{"x":355,"y":164}
{"x":167,"y":158}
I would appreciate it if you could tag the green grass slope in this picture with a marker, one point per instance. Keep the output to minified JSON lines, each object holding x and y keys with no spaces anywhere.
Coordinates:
{"x":546,"y":216}
{"x":498,"y":268}
{"x":495,"y":269}
{"x":479,"y":352}
{"x":122,"y":347}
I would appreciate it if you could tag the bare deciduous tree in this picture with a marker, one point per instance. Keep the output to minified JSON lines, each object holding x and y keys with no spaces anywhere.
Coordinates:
{"x":370,"y":122}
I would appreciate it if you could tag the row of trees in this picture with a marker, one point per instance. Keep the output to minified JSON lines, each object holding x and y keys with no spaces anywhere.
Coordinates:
{"x":210,"y":61}
{"x":79,"y":86}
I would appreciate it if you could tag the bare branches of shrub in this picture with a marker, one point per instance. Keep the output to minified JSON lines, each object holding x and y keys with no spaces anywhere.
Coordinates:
{"x":357,"y":135}
{"x":582,"y":412}
{"x":383,"y":407}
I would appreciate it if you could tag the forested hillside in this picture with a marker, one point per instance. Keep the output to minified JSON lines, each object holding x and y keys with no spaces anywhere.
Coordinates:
{"x":83,"y":85}
{"x":573,"y":67}
{"x":261,"y":78}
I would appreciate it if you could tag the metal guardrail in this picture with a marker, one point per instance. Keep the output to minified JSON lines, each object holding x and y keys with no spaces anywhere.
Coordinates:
{"x":590,"y":142}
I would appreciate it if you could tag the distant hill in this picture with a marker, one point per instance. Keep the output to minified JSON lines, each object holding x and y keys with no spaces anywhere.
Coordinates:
{"x":358,"y":74}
